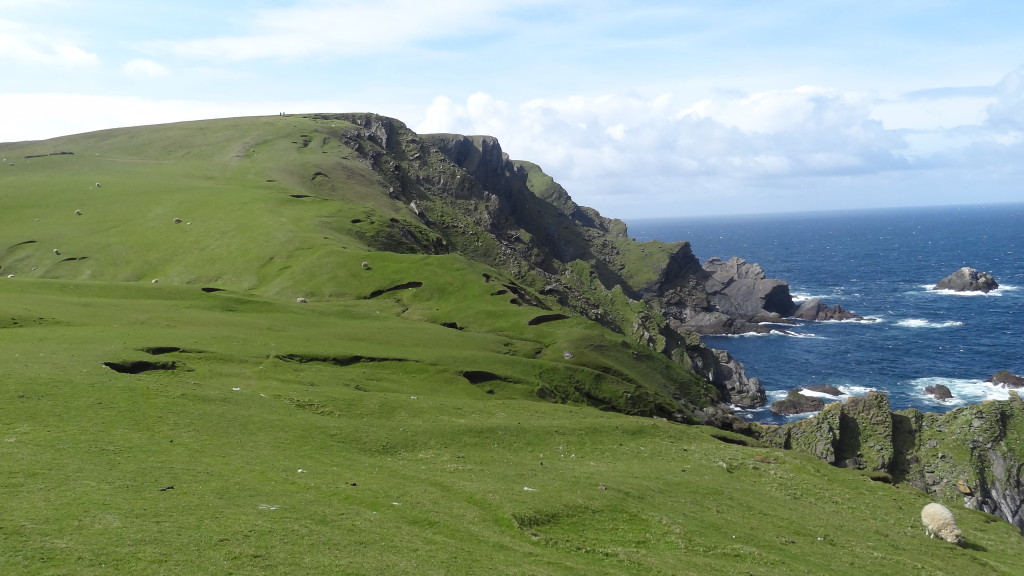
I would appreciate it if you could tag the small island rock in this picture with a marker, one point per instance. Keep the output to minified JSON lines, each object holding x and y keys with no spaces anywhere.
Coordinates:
{"x":1006,"y":379}
{"x":939,"y":391}
{"x":825,"y":389}
{"x":968,"y":280}
{"x":797,"y":403}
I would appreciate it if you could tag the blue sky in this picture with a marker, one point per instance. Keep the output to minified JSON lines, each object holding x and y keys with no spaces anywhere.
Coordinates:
{"x":639,"y":108}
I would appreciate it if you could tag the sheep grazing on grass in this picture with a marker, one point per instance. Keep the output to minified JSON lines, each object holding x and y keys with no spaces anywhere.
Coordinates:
{"x":56,"y":252}
{"x":177,"y":220}
{"x":938,"y":521}
{"x":366,"y":265}
{"x":78,"y":212}
{"x":301,"y":300}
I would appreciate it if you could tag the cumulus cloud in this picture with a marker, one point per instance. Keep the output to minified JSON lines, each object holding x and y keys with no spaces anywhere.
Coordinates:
{"x":145,"y":68}
{"x":1007,"y":111}
{"x":794,"y":133}
{"x":764,"y":148}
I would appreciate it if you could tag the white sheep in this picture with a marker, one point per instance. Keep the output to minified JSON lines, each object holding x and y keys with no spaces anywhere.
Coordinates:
{"x":56,"y":252}
{"x":301,"y":300}
{"x":939,"y":521}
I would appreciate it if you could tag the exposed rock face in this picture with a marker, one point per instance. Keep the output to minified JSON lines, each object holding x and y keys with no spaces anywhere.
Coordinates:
{"x":731,"y":297}
{"x":1006,"y":379}
{"x":968,"y":280}
{"x":730,"y":377}
{"x":469,"y":197}
{"x":972,"y":455}
{"x":797,"y":403}
{"x":816,"y":310}
{"x":939,"y":391}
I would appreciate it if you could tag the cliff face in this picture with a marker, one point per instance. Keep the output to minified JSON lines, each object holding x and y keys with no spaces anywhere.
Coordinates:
{"x":973,"y":456}
{"x":511,"y":215}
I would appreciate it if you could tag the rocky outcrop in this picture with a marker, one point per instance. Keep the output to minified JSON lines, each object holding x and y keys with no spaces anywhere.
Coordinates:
{"x":797,"y":403}
{"x":730,"y":377}
{"x":973,"y":455}
{"x":1006,"y":379}
{"x":939,"y":392}
{"x":469,"y":197}
{"x":815,"y":310}
{"x":731,"y":297}
{"x":968,"y":280}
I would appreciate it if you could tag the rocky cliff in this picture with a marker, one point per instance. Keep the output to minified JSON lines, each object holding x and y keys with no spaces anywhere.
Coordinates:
{"x":972,"y":456}
{"x":730,"y":297}
{"x":471,"y":198}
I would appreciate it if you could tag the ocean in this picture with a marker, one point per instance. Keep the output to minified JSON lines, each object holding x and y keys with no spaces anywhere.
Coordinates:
{"x":880,"y":264}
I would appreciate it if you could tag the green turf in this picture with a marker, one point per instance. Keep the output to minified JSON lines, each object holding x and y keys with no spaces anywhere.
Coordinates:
{"x":396,"y":433}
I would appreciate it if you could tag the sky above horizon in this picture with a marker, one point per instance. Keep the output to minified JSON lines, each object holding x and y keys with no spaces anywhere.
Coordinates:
{"x":639,"y":108}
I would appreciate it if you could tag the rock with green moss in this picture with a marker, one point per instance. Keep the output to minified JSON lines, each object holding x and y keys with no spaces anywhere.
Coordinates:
{"x":973,"y":455}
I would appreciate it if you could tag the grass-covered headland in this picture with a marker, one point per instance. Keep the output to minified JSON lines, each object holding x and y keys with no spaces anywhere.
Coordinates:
{"x":326,"y":345}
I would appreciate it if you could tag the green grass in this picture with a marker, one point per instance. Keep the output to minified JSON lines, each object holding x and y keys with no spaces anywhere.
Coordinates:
{"x":407,"y":465}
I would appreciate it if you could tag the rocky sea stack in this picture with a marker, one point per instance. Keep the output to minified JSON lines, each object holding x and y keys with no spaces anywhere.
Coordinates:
{"x":1006,"y":379}
{"x":733,"y":297}
{"x":968,"y":279}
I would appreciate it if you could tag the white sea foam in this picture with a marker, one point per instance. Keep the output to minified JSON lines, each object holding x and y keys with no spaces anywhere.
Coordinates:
{"x":847,"y":392}
{"x":922,"y":323}
{"x":787,"y":333}
{"x":864,"y":320}
{"x":803,"y":296}
{"x":970,"y":293}
{"x":965,"y":391}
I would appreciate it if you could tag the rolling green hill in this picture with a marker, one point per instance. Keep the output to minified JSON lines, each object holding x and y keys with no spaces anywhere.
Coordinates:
{"x":326,"y":345}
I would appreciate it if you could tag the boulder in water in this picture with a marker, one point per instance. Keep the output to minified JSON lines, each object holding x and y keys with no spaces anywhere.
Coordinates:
{"x":797,"y":403}
{"x":1006,"y":379}
{"x":968,"y":279}
{"x":939,"y":391}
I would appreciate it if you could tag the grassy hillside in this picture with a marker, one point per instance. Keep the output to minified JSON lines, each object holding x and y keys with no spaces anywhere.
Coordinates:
{"x":395,"y":423}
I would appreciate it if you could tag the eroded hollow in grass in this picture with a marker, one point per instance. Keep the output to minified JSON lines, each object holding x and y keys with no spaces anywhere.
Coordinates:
{"x":406,"y":286}
{"x":209,"y":289}
{"x":158,"y":350}
{"x":140,"y":366}
{"x":480,"y":376}
{"x":335,"y":360}
{"x":543,"y":318}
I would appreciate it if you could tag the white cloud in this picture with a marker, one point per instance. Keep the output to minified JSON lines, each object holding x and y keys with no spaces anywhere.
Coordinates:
{"x":146,"y":68}
{"x":624,"y":154}
{"x":795,"y":133}
{"x":21,"y":44}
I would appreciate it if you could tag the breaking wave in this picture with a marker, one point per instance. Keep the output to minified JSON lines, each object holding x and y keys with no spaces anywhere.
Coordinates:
{"x":922,"y":323}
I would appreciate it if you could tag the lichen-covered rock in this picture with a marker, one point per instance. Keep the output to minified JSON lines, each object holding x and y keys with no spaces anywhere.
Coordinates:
{"x":973,"y":455}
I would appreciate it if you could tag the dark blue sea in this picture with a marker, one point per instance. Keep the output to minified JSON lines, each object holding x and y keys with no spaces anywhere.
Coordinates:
{"x":880,"y":264}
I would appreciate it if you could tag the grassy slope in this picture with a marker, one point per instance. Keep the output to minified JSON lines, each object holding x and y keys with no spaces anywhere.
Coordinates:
{"x":408,"y":467}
